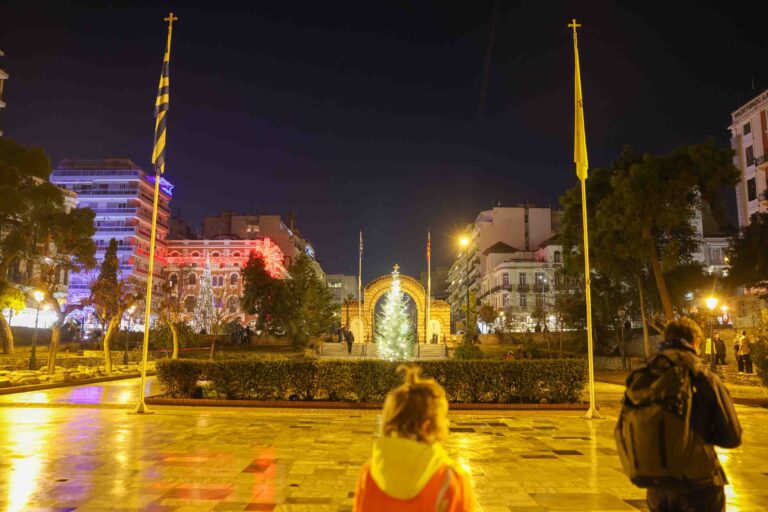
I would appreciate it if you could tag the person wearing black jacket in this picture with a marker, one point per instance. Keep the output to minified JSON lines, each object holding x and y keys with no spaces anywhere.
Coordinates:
{"x":713,"y":417}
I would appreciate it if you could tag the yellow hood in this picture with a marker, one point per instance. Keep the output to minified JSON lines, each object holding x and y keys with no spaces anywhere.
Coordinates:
{"x":401,"y":468}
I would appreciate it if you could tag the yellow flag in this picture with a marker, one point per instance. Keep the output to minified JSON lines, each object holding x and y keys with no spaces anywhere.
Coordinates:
{"x":579,"y":134}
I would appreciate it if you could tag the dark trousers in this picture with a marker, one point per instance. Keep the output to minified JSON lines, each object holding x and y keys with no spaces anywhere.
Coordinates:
{"x":719,"y":358}
{"x":740,"y":363}
{"x":349,"y":347}
{"x":710,"y":499}
{"x":746,"y":361}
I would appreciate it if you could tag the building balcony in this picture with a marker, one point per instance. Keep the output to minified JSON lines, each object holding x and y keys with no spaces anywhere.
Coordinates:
{"x":523,"y":288}
{"x":115,"y":212}
{"x":129,"y":193}
{"x":541,"y":288}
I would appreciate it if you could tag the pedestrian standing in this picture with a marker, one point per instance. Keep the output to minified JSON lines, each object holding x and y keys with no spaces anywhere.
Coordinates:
{"x":745,"y":352}
{"x":668,"y":447}
{"x":719,"y":350}
{"x":349,"y":338}
{"x":409,"y":470}
{"x":736,"y":345}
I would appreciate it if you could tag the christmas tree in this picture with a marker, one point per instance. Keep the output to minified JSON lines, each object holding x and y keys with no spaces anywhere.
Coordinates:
{"x":394,"y":332}
{"x":204,"y":309}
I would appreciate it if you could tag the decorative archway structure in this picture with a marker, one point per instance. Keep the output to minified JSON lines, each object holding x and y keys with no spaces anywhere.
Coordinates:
{"x":440,"y":312}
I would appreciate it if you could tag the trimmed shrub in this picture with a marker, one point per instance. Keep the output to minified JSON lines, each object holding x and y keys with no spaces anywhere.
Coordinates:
{"x":518,"y":381}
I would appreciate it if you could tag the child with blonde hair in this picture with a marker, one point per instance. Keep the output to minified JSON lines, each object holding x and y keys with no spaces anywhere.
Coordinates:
{"x":409,"y":469}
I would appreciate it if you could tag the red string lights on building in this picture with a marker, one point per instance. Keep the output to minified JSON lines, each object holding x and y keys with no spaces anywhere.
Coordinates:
{"x":197,"y":253}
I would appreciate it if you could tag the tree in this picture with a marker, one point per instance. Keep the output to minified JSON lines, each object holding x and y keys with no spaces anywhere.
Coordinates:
{"x":263,"y":295}
{"x":641,"y":212}
{"x":487,"y":314}
{"x":306,"y":307}
{"x":219,"y":316}
{"x":169,"y":315}
{"x":11,"y":299}
{"x":748,"y":256}
{"x":394,"y":329}
{"x":111,"y":297}
{"x":35,"y":227}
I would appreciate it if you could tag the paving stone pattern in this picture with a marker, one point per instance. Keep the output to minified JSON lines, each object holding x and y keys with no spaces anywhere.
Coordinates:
{"x":57,"y":454}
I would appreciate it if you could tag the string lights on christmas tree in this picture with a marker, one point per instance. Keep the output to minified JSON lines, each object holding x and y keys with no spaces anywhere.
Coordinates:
{"x":394,"y":332}
{"x":204,"y":309}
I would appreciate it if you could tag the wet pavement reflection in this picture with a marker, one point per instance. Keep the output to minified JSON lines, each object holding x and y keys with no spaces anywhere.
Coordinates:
{"x":80,"y":449}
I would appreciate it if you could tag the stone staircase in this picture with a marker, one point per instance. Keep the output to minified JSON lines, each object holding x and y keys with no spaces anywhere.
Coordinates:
{"x":423,"y":352}
{"x":729,"y":373}
{"x":340,"y":351}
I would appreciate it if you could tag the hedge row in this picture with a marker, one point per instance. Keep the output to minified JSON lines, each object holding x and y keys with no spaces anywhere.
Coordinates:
{"x":521,"y":381}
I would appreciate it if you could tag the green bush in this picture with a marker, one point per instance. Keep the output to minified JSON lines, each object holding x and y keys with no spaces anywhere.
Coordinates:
{"x":492,"y":381}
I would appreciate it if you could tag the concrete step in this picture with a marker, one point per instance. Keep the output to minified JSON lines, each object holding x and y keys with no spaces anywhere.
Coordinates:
{"x":341,"y":351}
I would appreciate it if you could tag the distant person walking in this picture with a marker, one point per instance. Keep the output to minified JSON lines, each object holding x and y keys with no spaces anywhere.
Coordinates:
{"x":409,"y":470}
{"x":745,"y":352}
{"x":667,"y":446}
{"x":349,"y":338}
{"x":719,"y":350}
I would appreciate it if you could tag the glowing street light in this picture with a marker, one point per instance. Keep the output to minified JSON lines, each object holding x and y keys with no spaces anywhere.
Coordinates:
{"x":128,"y":333}
{"x":39,"y":296}
{"x":711,"y":303}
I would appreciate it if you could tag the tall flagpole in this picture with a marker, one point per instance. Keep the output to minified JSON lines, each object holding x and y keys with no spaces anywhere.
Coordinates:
{"x":581,"y":160}
{"x":360,"y":290}
{"x":429,"y":286}
{"x":158,"y":159}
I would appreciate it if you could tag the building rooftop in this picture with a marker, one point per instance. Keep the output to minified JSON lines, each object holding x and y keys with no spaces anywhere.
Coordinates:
{"x":106,"y":163}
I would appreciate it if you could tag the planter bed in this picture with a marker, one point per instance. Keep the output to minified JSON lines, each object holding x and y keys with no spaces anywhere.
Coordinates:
{"x":325,"y":404}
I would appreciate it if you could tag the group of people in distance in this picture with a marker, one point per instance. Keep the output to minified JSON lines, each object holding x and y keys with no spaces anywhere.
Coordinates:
{"x":715,"y":348}
{"x":409,"y":470}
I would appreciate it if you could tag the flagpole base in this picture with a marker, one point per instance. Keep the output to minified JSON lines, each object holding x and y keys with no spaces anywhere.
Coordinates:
{"x":592,"y":414}
{"x":142,"y":409}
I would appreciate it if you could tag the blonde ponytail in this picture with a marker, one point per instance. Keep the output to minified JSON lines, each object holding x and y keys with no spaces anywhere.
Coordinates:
{"x":418,"y":409}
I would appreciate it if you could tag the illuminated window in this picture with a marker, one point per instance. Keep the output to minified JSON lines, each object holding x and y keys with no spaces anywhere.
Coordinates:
{"x":192,"y":280}
{"x":173,"y":279}
{"x":523,"y":301}
{"x":505,"y":280}
{"x":747,"y":129}
{"x":233,"y":280}
{"x":749,"y":153}
{"x":522,"y":279}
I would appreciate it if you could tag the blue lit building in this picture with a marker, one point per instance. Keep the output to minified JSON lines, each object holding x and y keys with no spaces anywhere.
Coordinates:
{"x":120,"y":193}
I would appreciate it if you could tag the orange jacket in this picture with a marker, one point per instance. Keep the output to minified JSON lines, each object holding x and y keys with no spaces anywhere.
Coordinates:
{"x":405,"y":475}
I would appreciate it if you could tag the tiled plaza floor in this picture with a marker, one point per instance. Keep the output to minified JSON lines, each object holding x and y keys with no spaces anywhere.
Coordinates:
{"x":78,"y":449}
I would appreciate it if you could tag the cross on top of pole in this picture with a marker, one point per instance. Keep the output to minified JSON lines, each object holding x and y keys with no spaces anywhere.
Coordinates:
{"x":396,"y":267}
{"x":574,"y":26}
{"x":170,"y":19}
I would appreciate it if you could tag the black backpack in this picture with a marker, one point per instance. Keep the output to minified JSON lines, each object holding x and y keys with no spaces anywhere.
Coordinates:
{"x":656,"y":444}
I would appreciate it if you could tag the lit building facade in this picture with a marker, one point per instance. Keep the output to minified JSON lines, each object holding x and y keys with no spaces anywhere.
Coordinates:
{"x":121,"y":195}
{"x":341,"y":287}
{"x":250,"y":227}
{"x":524,"y":229}
{"x":186,"y":261}
{"x":749,"y":140}
{"x":3,"y":78}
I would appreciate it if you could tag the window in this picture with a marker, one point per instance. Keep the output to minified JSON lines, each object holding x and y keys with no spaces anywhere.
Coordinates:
{"x":192,"y":280}
{"x":505,"y":300}
{"x":747,"y":129}
{"x":558,"y":257}
{"x":751,"y":189}
{"x":539,"y":301}
{"x":523,"y":301}
{"x":236,"y":254}
{"x":232,"y":304}
{"x":505,"y":279}
{"x":539,"y":278}
{"x":750,"y":155}
{"x":522,"y":279}
{"x":189,"y":304}
{"x":233,"y":280}
{"x":173,"y":279}
{"x":214,"y":255}
{"x":716,"y":256}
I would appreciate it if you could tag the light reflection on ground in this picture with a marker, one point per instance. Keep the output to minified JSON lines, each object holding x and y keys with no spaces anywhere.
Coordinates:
{"x":54,"y":455}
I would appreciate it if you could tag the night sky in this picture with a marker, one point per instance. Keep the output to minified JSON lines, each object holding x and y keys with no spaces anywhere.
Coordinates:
{"x":367,"y":115}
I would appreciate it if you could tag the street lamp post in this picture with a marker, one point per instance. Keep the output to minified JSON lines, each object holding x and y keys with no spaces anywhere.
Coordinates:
{"x":711,"y":305}
{"x":39,"y":296}
{"x":464,"y":242}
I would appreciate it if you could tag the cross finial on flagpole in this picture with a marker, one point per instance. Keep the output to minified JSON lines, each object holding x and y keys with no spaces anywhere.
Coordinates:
{"x":574,"y":25}
{"x":396,"y":268}
{"x":170,"y":19}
